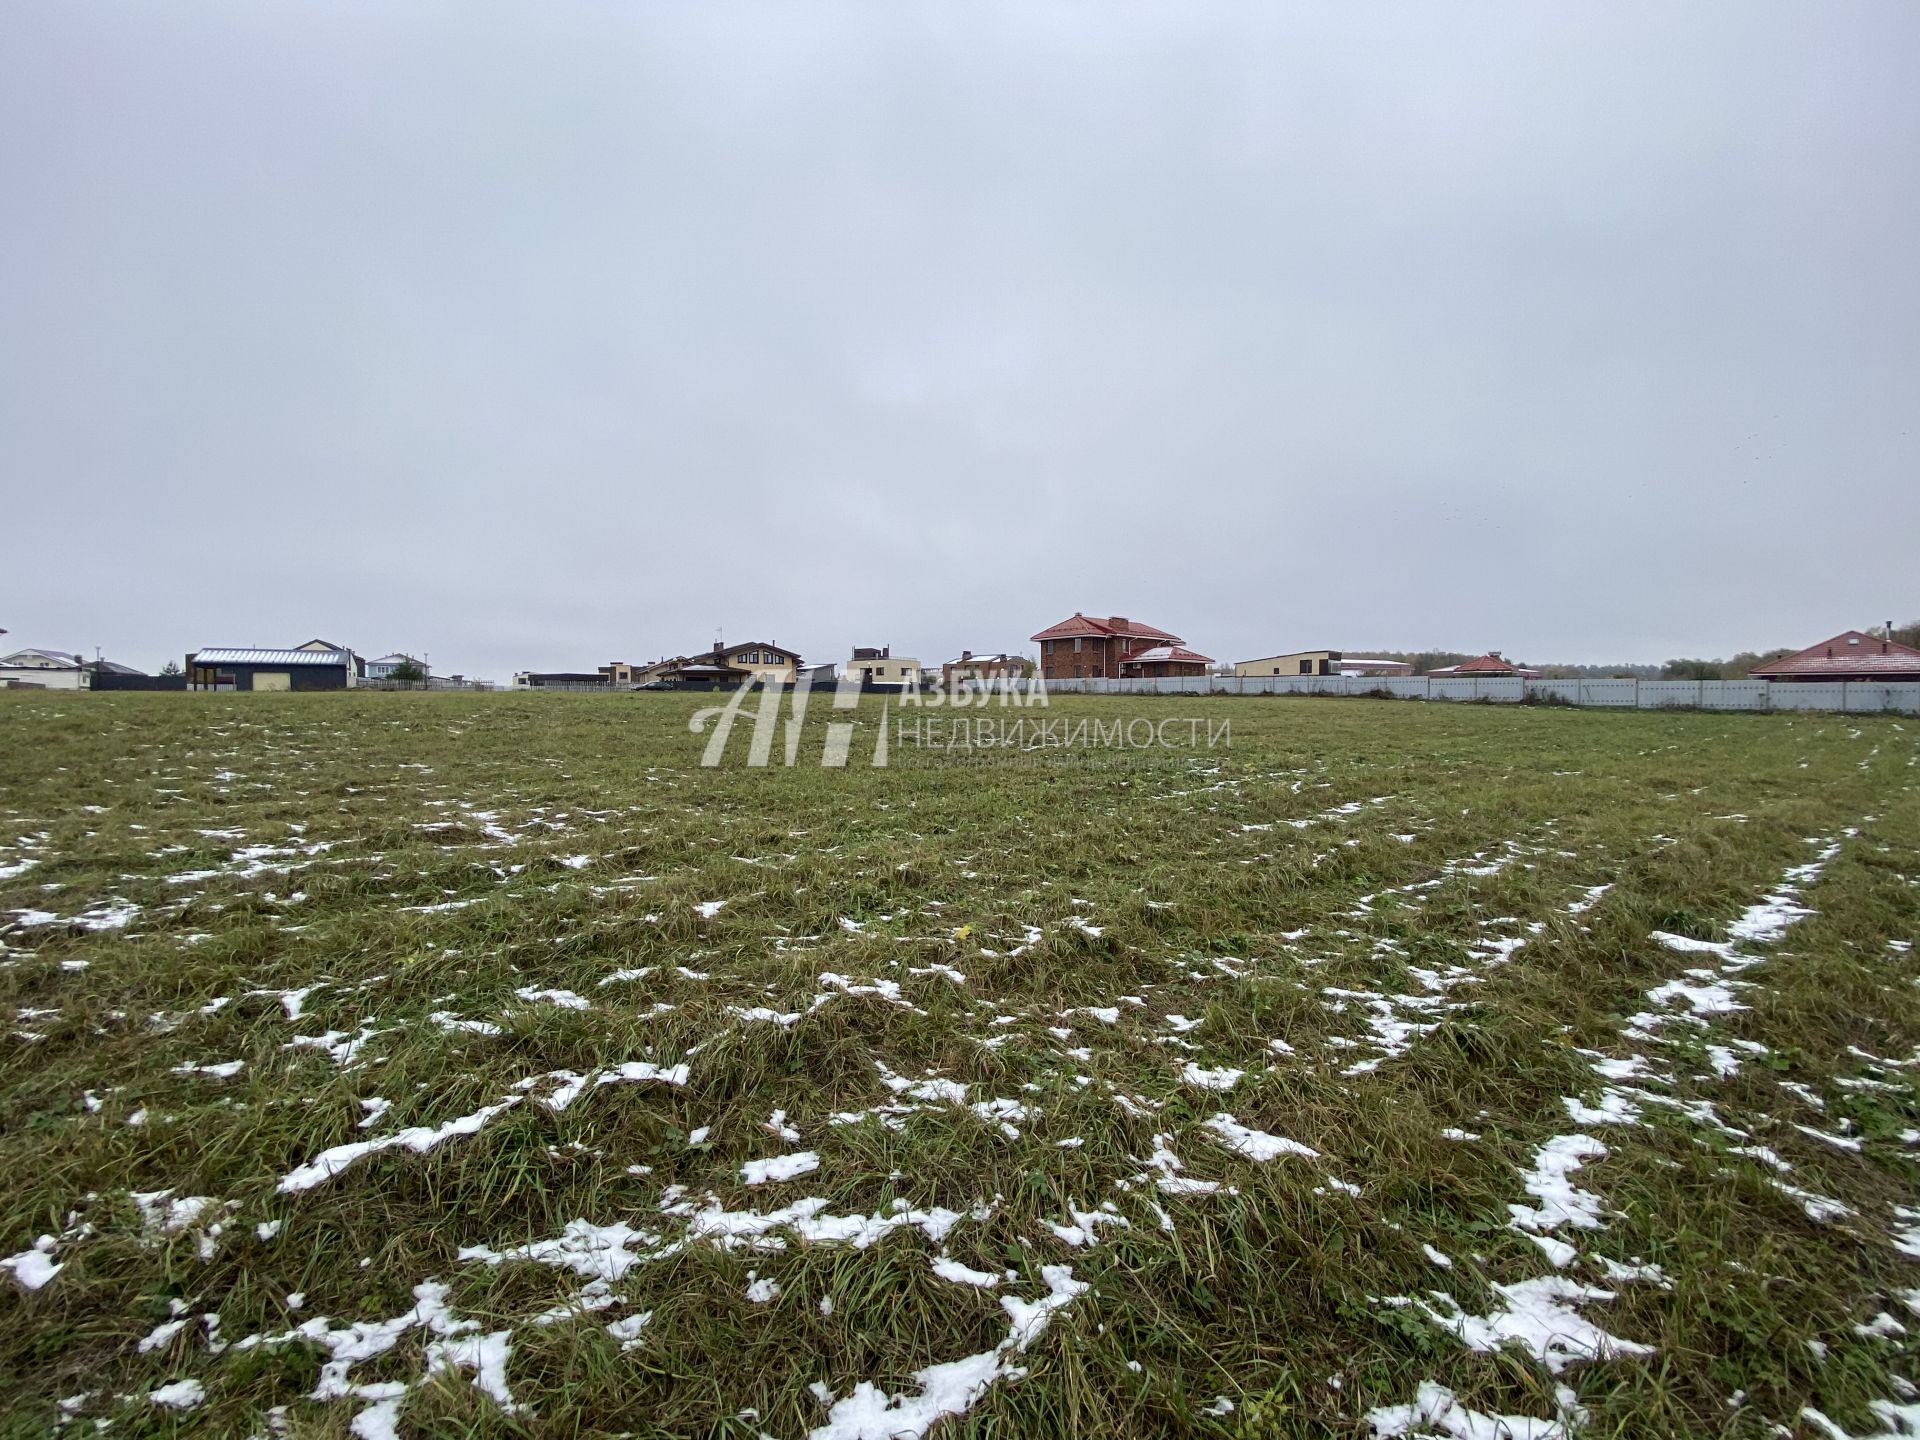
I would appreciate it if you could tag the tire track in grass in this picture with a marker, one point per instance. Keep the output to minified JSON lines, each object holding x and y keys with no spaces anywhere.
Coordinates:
{"x":1542,"y":1315}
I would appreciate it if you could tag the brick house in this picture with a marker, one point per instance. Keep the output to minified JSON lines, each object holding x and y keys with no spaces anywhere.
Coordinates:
{"x":1091,"y":647}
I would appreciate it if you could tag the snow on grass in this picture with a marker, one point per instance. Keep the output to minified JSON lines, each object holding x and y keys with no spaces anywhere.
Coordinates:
{"x":1436,"y":1410}
{"x":1539,"y":1318}
{"x":1224,"y":1078}
{"x":454,"y":1348}
{"x":955,"y":1387}
{"x":33,"y":1268}
{"x":630,"y":1330}
{"x":779,"y":1168}
{"x":947,"y":1268}
{"x":1561,"y":1202}
{"x":180,"y":1395}
{"x":1255,"y":1144}
{"x":223,"y":1070}
{"x":418,"y":1138}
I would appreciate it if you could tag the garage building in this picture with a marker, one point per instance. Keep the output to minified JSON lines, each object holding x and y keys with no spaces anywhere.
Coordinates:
{"x":308,"y":668}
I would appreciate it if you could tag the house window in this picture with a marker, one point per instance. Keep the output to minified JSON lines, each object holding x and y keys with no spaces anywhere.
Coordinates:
{"x":1076,"y":644}
{"x":1306,"y":667}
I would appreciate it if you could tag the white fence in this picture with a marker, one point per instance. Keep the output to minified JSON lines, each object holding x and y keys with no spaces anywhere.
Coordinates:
{"x":1856,"y":696}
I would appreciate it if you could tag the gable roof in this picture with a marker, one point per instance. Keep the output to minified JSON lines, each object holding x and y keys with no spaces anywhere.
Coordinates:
{"x":35,"y":657}
{"x":1851,"y":652}
{"x":740,"y":645}
{"x":1079,"y":626}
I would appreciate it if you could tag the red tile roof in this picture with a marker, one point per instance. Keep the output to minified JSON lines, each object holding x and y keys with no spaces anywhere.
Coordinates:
{"x":1489,"y":664}
{"x":1079,"y":625}
{"x":1849,"y":654}
{"x":1161,"y":654}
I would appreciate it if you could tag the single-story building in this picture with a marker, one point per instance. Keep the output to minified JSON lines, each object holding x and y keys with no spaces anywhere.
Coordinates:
{"x":308,"y":667}
{"x":557,"y":679}
{"x":1491,"y":665}
{"x":1295,"y":662}
{"x":1850,"y":655}
{"x":1093,"y":647}
{"x":1366,"y":665}
{"x":1163,"y":662}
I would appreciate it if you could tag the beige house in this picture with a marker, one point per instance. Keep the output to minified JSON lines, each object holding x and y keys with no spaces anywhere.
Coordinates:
{"x":979,"y":670}
{"x":880,"y":666}
{"x":759,"y":658}
{"x":1299,"y":662}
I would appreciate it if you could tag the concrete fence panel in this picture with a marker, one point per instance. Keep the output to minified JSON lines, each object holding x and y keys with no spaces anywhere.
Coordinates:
{"x":1858,"y":696}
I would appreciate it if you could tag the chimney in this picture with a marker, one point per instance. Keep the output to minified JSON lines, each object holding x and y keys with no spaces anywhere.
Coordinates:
{"x":1118,"y":622}
{"x":966,"y":654}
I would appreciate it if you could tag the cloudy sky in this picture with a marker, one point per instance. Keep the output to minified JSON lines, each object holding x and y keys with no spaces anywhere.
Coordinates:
{"x":535,"y":335}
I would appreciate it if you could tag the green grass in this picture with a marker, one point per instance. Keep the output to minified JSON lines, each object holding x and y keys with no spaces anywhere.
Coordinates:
{"x":1476,"y":825}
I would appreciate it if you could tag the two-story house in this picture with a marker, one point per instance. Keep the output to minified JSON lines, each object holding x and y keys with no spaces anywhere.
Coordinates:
{"x":1086,"y":647}
{"x":878,"y":665}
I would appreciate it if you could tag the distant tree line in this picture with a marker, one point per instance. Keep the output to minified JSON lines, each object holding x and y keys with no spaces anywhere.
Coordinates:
{"x":1736,"y":668}
{"x":1425,"y":660}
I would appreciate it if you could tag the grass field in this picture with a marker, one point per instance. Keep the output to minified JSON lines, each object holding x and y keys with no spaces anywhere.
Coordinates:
{"x":484,"y":1066}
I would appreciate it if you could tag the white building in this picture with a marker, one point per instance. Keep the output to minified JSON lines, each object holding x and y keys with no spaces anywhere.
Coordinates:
{"x":383,"y":668}
{"x":49,"y":669}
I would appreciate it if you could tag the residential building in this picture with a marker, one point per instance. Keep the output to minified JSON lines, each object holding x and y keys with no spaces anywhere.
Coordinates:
{"x":1489,"y":666}
{"x":880,"y":666}
{"x":1850,"y":655}
{"x":1297,"y":662}
{"x":312,"y":666}
{"x":46,"y":669}
{"x":1090,"y":647}
{"x":981,"y":671}
{"x":760,"y":659}
{"x":1164,"y":662}
{"x":559,"y":680}
{"x":383,"y":668}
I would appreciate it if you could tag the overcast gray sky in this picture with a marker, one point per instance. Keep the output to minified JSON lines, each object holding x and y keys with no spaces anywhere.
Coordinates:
{"x":536,"y":335}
